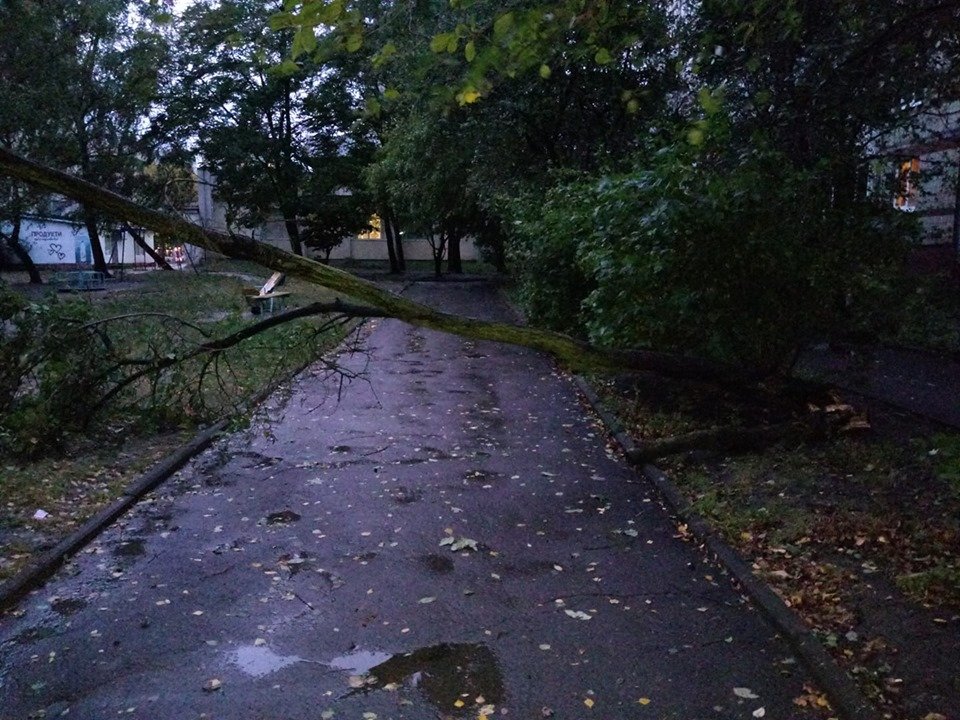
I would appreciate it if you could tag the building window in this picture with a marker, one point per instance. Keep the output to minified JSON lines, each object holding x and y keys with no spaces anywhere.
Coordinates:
{"x":374,"y":232}
{"x":908,"y":180}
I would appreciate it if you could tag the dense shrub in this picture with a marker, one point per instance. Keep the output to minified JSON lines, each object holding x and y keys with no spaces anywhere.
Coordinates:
{"x":742,"y":259}
{"x":49,"y":377}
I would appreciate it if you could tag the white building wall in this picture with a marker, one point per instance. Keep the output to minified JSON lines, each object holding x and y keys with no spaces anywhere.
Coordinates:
{"x":54,"y":241}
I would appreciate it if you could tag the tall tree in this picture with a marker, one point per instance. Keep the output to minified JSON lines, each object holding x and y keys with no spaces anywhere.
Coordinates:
{"x":106,"y":57}
{"x":246,"y":104}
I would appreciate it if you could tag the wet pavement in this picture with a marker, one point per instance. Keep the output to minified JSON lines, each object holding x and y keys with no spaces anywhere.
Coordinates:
{"x":452,"y":538}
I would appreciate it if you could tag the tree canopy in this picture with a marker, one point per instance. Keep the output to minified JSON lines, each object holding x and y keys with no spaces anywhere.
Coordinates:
{"x":690,"y":177}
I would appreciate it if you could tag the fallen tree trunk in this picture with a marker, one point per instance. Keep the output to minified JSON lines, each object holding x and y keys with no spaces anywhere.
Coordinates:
{"x":817,"y":426}
{"x":570,"y":351}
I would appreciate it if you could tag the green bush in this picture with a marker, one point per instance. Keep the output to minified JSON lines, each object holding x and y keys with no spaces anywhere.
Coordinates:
{"x":742,"y":259}
{"x":49,"y":377}
{"x":543,"y":245}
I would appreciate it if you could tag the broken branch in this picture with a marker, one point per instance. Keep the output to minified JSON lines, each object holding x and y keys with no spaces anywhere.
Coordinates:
{"x":570,"y":351}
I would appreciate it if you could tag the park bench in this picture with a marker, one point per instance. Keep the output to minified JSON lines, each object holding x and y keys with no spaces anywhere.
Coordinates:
{"x":267,"y":299}
{"x":77,"y":280}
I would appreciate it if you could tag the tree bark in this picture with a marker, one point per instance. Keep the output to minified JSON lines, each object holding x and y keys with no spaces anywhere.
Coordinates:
{"x":956,"y":215}
{"x":99,"y":261}
{"x":438,"y":250}
{"x":23,"y":255}
{"x":387,"y":231}
{"x":816,"y":426}
{"x":138,"y":238}
{"x":398,"y":239}
{"x":293,"y":232}
{"x":454,"y":263}
{"x":569,"y":351}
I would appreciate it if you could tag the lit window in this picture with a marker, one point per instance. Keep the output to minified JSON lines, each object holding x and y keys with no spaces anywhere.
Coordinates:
{"x":374,"y":232}
{"x":908,"y":178}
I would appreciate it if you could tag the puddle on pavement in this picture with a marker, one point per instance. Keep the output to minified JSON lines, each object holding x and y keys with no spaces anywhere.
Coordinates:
{"x":437,"y":563}
{"x":38,"y":632}
{"x":129,"y":548}
{"x":481,"y":476}
{"x":442,"y":673}
{"x":67,"y":606}
{"x":259,"y":660}
{"x":283,"y":517}
{"x":360,"y":662}
{"x":404,"y":495}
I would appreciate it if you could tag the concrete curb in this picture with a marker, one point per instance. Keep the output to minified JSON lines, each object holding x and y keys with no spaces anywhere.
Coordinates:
{"x":39,"y":570}
{"x":47,"y":564}
{"x":843,"y":693}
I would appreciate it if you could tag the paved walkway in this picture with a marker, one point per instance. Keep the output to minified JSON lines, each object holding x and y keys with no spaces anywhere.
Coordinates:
{"x":304,"y":568}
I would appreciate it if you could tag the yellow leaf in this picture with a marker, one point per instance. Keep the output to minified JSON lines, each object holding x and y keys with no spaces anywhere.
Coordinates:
{"x":644,"y":701}
{"x":468,"y":95}
{"x":458,"y":703}
{"x":588,"y":702}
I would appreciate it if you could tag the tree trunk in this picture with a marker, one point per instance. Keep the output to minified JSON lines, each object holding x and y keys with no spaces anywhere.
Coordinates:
{"x":138,"y":238}
{"x":816,"y":426}
{"x":454,"y":263}
{"x":956,"y":215}
{"x":293,"y":232}
{"x":99,"y":261}
{"x":437,"y":249}
{"x":23,"y":255}
{"x":387,"y":231}
{"x":398,"y":241}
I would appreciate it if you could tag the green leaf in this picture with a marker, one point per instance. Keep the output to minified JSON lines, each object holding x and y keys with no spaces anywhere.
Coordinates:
{"x":439,"y":42}
{"x":545,"y":72}
{"x":502,"y":24}
{"x":391,"y":93}
{"x":470,"y":51}
{"x":304,"y":41}
{"x":331,"y":13}
{"x":373,"y":106}
{"x":709,"y":101}
{"x":286,"y":68}
{"x":695,"y":136}
{"x":386,"y":52}
{"x":354,"y":42}
{"x":453,"y":43}
{"x":603,"y":57}
{"x":282,"y":21}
